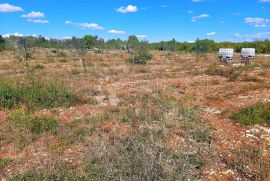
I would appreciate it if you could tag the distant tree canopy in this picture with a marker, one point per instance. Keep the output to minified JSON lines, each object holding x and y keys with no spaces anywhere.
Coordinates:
{"x":93,"y":41}
{"x":133,"y":41}
{"x":208,"y":46}
{"x":2,"y":43}
{"x":199,"y":46}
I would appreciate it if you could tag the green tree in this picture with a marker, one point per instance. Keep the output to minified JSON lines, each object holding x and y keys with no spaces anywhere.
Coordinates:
{"x":133,"y":41}
{"x":2,"y":43}
{"x":90,"y":41}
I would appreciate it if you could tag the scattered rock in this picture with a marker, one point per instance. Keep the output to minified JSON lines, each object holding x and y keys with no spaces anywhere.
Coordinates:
{"x":212,"y":110}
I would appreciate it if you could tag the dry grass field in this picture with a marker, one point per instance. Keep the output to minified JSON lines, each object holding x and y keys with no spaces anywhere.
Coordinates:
{"x":175,"y":118}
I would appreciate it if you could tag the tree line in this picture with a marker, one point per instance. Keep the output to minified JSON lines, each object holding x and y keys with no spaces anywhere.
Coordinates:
{"x":95,"y":42}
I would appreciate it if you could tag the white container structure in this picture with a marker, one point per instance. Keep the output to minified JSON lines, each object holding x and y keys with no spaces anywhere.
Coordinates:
{"x":226,"y":55}
{"x":247,"y":54}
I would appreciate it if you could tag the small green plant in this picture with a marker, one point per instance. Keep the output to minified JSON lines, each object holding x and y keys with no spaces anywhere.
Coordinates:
{"x":35,"y":124}
{"x":255,"y":114}
{"x":129,"y":116}
{"x":97,"y":118}
{"x":4,"y":162}
{"x":169,"y":55}
{"x":75,"y":71}
{"x":75,"y":135}
{"x":92,"y":101}
{"x":214,"y":70}
{"x":39,"y":66}
{"x":251,"y":79}
{"x":57,"y":174}
{"x":233,"y":74}
{"x":114,"y":110}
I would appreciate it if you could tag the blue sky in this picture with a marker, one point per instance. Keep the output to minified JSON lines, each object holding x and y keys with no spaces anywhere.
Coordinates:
{"x":184,"y":20}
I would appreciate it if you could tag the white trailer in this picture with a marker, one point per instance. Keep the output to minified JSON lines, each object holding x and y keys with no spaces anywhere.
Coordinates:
{"x":225,"y":55}
{"x":247,"y":54}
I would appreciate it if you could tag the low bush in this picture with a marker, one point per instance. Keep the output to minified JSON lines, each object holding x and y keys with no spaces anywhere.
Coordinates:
{"x":22,"y":128}
{"x":57,"y":174}
{"x":10,"y":94}
{"x":252,"y":163}
{"x":37,"y":125}
{"x":231,"y":73}
{"x":141,"y":157}
{"x":39,"y":66}
{"x":74,"y":135}
{"x":141,"y":54}
{"x":214,"y":70}
{"x":4,"y":162}
{"x":75,"y":71}
{"x":255,"y":114}
{"x":35,"y":94}
{"x":141,"y":58}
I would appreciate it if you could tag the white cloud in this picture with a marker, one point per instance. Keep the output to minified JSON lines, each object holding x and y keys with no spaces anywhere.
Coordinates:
{"x":264,"y":1}
{"x":14,"y":34}
{"x":6,"y":8}
{"x":117,"y":32}
{"x":141,"y":36}
{"x":34,"y":14}
{"x":92,"y":26}
{"x":254,"y":36}
{"x":195,"y":1}
{"x":190,"y":11}
{"x":128,"y":9}
{"x":211,"y":34}
{"x":38,"y":21}
{"x":68,"y":22}
{"x":202,"y":16}
{"x":66,"y":38}
{"x":257,"y":22}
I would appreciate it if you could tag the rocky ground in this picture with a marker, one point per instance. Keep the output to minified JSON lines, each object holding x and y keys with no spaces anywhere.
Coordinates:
{"x":113,"y":85}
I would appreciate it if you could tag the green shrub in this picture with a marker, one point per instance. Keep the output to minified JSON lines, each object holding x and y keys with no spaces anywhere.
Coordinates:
{"x":92,"y":101}
{"x":231,"y":73}
{"x":39,"y":66}
{"x":141,"y":58}
{"x":256,"y":114}
{"x":10,"y":94}
{"x":4,"y":162}
{"x":234,"y":74}
{"x":35,"y":94}
{"x":48,"y":95}
{"x":22,"y":128}
{"x":75,"y":71}
{"x":35,"y":124}
{"x":141,"y":54}
{"x":57,"y":174}
{"x":74,"y":136}
{"x":214,"y":70}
